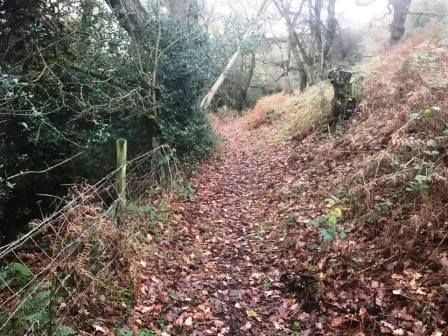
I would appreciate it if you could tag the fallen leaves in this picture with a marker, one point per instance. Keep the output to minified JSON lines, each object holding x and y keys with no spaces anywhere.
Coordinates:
{"x":189,"y":322}
{"x":219,"y":273}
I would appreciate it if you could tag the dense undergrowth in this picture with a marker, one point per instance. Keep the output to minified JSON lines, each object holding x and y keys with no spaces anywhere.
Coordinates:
{"x":291,"y":116}
{"x":285,"y":117}
{"x":72,"y":85}
{"x":380,"y":184}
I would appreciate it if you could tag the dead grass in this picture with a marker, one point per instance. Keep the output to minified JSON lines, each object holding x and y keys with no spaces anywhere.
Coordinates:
{"x":284,"y":117}
{"x":403,"y":51}
{"x":265,"y":108}
{"x":392,"y":160}
{"x":387,"y":169}
{"x":100,"y":269}
{"x":306,"y":112}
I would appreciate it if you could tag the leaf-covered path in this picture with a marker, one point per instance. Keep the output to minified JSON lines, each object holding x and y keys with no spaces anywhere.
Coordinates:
{"x":222,"y":275}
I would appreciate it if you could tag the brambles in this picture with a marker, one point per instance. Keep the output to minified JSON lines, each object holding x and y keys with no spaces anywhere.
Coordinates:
{"x":422,"y":179}
{"x":186,"y":191}
{"x":328,"y":225}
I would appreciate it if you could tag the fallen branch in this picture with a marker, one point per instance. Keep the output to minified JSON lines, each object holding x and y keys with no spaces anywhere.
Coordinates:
{"x":212,"y":93}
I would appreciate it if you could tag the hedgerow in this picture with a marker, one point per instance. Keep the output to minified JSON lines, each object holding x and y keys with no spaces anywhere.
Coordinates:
{"x":72,"y":81}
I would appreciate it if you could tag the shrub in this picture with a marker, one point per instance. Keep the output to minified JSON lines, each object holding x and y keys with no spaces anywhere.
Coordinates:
{"x":79,"y":84}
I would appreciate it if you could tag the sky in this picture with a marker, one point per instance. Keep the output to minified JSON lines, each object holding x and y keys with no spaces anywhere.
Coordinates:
{"x":347,"y":8}
{"x":364,"y":14}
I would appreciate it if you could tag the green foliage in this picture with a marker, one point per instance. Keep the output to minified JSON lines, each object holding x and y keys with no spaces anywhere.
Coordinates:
{"x":426,"y":113}
{"x":79,"y":88}
{"x":144,"y":332}
{"x":267,"y":285}
{"x":290,"y":221}
{"x":155,"y":216}
{"x":187,"y":191}
{"x":419,"y":183}
{"x":39,"y":311}
{"x":423,"y":177}
{"x":379,"y":210}
{"x":382,"y":207}
{"x":192,"y":134}
{"x":173,"y":296}
{"x":328,"y":226}
{"x":296,"y":326}
{"x":14,"y":273}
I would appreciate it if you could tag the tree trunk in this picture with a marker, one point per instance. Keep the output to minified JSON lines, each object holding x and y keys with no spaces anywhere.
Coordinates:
{"x":130,"y":13}
{"x":242,"y":104}
{"x":299,"y":61}
{"x":332,"y":25}
{"x":289,"y":88}
{"x":316,"y":25}
{"x":398,"y":26}
{"x":343,"y":104}
{"x":301,"y":58}
{"x":184,"y":9}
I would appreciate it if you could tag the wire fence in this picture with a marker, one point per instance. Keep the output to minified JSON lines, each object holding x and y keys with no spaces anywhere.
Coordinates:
{"x":53,"y":272}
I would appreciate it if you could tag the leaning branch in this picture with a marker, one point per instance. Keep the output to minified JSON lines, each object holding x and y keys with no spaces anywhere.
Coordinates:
{"x":212,"y":93}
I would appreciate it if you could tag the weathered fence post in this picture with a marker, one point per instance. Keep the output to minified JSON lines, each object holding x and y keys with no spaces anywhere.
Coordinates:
{"x":122,"y":148}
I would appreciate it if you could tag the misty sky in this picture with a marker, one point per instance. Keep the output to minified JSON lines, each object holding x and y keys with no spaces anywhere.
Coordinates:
{"x":347,"y":8}
{"x":364,"y":14}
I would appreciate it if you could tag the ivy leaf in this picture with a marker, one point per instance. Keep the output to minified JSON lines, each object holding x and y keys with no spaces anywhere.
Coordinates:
{"x":316,"y":223}
{"x":173,"y":296}
{"x":415,"y":116}
{"x":65,"y":331}
{"x":326,"y":235}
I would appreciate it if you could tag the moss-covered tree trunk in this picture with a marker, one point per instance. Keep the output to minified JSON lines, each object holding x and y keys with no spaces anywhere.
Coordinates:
{"x":244,"y":90}
{"x":398,"y":26}
{"x":184,"y":9}
{"x":343,"y":103}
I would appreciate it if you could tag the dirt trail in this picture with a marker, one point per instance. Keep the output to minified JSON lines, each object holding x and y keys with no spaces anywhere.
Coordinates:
{"x":224,"y":277}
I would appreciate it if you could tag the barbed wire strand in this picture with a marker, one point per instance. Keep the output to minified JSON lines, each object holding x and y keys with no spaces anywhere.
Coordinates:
{"x":143,"y":174}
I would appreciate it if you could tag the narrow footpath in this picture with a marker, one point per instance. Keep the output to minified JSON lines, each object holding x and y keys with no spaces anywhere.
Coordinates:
{"x":221,"y":275}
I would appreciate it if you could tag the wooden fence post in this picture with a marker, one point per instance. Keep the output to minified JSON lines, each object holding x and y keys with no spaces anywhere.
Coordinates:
{"x":122,"y":148}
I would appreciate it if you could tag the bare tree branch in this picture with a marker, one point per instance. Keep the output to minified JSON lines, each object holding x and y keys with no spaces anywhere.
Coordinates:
{"x":45,"y":170}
